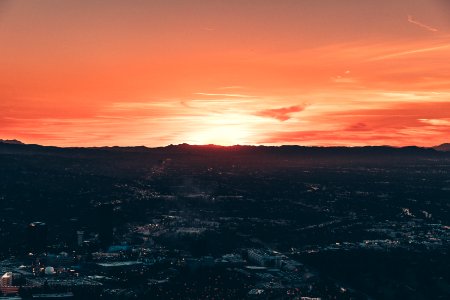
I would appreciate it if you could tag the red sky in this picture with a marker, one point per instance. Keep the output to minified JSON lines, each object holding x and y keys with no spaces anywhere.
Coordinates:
{"x":308,"y":72}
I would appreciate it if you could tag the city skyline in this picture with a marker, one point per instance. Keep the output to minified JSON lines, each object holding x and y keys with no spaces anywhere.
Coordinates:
{"x":81,"y":73}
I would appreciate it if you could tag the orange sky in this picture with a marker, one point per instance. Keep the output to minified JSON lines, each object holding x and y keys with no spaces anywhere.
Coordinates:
{"x":308,"y":72}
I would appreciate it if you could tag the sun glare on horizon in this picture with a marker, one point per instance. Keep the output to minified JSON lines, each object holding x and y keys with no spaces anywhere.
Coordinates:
{"x":222,"y":135}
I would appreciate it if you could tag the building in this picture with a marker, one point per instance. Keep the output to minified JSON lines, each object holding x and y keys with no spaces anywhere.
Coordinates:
{"x":37,"y":237}
{"x":6,"y":279}
{"x":62,"y":259}
{"x":119,"y":266}
{"x":68,"y":295}
{"x":105,"y":225}
{"x":80,"y":237}
{"x":264,"y":258}
{"x":6,"y":285}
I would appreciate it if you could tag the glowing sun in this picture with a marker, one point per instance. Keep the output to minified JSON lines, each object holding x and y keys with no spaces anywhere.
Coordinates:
{"x":224,"y":135}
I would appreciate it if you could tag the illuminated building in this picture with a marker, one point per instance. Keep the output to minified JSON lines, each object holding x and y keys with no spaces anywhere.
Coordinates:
{"x":6,"y":279}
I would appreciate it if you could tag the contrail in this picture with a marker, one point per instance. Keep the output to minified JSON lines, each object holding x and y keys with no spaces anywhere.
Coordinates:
{"x":429,"y":28}
{"x":414,"y":51}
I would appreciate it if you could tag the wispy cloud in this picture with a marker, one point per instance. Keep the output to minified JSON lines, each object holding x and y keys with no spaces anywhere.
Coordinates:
{"x":436,"y":122}
{"x":281,"y":114}
{"x":360,"y":126}
{"x":422,"y":25}
{"x":231,"y":87}
{"x":342,"y":79}
{"x":225,"y":95}
{"x":397,"y":124}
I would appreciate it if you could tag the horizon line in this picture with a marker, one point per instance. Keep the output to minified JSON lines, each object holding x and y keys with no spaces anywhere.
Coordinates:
{"x":19,"y":142}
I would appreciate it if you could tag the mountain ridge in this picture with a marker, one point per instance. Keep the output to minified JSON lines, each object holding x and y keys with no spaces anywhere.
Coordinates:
{"x":441,"y":147}
{"x":17,"y":147}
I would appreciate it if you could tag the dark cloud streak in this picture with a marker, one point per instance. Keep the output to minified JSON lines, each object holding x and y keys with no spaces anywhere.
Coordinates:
{"x":282,"y":114}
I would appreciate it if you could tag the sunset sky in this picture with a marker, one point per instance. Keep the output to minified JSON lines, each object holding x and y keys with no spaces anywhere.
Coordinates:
{"x":307,"y":72}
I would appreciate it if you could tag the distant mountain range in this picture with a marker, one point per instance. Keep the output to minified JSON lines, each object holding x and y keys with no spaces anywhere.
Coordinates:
{"x":8,"y":146}
{"x":442,"y":147}
{"x":133,"y":162}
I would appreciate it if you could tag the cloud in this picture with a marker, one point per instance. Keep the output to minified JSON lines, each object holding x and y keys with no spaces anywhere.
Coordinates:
{"x":232,"y":87}
{"x":281,"y":114}
{"x":358,"y":127}
{"x":225,"y":95}
{"x":341,"y":79}
{"x":424,"y":26}
{"x":436,"y":122}
{"x":329,"y":138}
{"x":398,"y":124}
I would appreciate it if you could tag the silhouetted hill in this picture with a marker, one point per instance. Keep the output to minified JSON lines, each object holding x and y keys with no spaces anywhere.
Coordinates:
{"x":442,"y":147}
{"x":16,"y":147}
{"x":138,"y":161}
{"x":16,"y":142}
